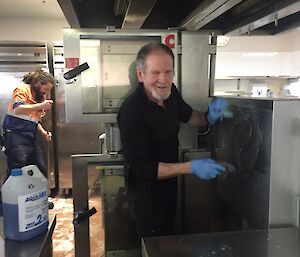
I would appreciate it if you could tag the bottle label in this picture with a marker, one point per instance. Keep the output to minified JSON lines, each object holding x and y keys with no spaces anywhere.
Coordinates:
{"x":33,"y":210}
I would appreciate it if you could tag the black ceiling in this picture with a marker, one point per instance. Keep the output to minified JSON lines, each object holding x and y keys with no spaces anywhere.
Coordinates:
{"x":232,"y":17}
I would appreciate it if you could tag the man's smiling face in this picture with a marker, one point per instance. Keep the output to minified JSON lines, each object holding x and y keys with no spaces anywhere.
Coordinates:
{"x":157,"y":76}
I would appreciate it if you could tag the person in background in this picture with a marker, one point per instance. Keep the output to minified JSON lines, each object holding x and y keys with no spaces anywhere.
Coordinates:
{"x":149,"y":121}
{"x":22,"y":122}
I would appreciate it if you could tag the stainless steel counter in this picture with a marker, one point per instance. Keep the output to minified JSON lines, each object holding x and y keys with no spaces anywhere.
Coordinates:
{"x":39,"y":246}
{"x":259,"y":243}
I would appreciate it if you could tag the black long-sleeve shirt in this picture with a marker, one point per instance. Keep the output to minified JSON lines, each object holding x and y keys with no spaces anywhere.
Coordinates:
{"x":149,"y":134}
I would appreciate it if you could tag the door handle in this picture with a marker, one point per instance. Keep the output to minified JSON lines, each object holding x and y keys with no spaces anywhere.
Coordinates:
{"x":82,"y":216}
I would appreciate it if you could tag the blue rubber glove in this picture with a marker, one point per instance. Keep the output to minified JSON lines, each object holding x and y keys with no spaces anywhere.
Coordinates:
{"x":206,"y":168}
{"x":216,"y":110}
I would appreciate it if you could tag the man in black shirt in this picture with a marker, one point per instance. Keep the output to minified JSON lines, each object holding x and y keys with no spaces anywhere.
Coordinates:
{"x":149,"y":121}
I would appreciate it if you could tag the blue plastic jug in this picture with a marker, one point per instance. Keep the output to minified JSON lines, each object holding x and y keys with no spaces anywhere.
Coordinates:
{"x":25,"y":203}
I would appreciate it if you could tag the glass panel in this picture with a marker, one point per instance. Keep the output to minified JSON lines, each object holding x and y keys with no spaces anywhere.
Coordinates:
{"x":91,"y":80}
{"x":96,"y":221}
{"x":106,"y":83}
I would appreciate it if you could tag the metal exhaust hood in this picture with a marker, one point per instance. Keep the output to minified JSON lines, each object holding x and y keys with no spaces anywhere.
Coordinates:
{"x":232,"y":17}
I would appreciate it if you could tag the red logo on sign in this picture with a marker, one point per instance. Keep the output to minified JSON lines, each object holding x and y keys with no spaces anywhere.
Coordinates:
{"x":170,"y":40}
{"x":71,"y":62}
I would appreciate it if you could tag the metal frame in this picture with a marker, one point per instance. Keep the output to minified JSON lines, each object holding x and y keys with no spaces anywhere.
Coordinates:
{"x":72,"y":38}
{"x":80,"y":164}
{"x":54,"y":177}
{"x":212,"y":64}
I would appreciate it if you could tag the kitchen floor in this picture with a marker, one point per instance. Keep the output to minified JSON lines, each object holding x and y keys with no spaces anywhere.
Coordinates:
{"x":63,"y":236}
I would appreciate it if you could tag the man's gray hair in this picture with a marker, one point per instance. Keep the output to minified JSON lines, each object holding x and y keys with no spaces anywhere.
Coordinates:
{"x":149,"y":49}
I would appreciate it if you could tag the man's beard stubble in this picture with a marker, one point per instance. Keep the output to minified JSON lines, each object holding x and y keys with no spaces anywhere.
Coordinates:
{"x":39,"y":96}
{"x":158,"y":97}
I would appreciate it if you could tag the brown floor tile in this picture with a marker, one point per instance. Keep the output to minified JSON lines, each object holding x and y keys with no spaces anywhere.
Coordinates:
{"x":63,"y":236}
